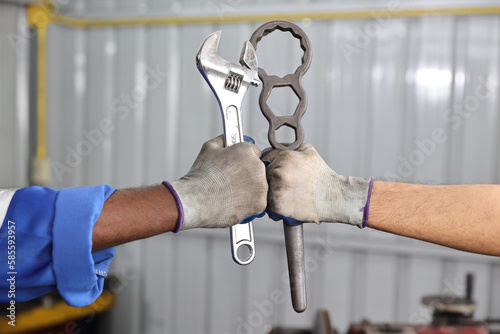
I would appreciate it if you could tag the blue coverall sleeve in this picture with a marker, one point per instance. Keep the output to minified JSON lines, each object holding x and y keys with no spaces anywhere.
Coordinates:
{"x":53,"y":244}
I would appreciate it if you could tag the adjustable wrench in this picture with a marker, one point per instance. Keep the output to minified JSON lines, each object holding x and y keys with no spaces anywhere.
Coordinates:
{"x":229,"y":82}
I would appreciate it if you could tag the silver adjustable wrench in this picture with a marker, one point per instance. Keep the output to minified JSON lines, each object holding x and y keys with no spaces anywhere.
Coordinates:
{"x":229,"y":82}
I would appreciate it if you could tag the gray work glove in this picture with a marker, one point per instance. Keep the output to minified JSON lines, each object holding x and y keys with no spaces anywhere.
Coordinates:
{"x":302,"y":187}
{"x":225,"y":186}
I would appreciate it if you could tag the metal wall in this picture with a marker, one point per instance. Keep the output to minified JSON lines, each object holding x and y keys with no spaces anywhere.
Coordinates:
{"x":14,"y":124}
{"x":414,"y":99}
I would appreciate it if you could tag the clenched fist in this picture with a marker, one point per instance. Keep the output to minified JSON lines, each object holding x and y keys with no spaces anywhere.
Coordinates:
{"x":304,"y":188}
{"x":224,"y":186}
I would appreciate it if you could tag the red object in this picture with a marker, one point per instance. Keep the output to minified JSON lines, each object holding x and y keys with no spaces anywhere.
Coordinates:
{"x":417,"y":329}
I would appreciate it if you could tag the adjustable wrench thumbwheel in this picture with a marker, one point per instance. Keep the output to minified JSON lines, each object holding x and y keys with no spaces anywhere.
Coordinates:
{"x":229,"y":83}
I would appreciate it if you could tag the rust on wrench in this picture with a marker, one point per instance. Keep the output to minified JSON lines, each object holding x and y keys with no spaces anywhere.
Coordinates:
{"x":294,"y":240}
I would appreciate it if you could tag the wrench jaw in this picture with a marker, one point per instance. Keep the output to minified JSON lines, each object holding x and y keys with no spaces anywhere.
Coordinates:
{"x":208,"y":55}
{"x":228,"y":81}
{"x":248,"y":58}
{"x":208,"y":51}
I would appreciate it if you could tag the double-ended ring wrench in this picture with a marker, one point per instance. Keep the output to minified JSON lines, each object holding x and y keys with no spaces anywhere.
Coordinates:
{"x":229,"y":82}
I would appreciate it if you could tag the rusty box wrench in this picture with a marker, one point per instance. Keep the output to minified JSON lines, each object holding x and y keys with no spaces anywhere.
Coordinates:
{"x":229,"y":82}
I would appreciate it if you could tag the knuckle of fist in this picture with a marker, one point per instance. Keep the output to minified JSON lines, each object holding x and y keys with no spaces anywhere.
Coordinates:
{"x":280,"y":176}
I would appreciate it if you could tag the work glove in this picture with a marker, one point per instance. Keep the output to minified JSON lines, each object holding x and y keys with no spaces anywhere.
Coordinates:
{"x":225,"y":186}
{"x":302,"y":188}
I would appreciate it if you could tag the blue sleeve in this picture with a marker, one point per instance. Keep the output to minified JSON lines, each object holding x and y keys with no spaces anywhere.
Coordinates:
{"x":53,"y":243}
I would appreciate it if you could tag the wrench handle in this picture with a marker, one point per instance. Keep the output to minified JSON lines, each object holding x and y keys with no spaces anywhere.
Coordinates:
{"x":294,"y":244}
{"x":242,"y":237}
{"x":241,"y":234}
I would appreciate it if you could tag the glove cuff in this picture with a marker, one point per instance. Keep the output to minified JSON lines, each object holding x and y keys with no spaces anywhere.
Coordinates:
{"x":180,"y":208}
{"x":366,"y":209}
{"x":342,"y":199}
{"x":206,"y":197}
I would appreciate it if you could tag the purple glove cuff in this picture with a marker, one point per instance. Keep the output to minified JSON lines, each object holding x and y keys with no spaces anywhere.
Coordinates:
{"x":179,"y":205}
{"x":366,"y":209}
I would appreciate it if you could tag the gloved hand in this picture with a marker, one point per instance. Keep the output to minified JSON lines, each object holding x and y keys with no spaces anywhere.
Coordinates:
{"x":224,"y":186}
{"x":304,"y":188}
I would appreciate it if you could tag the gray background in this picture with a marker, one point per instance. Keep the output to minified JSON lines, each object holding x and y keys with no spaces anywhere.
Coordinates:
{"x":371,"y":113}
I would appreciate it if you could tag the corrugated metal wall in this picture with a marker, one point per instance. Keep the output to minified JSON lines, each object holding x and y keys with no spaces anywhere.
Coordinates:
{"x":14,"y":124}
{"x":414,"y":99}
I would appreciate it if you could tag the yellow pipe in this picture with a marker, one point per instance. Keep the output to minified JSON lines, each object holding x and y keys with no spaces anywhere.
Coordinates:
{"x":262,"y":17}
{"x":42,"y":93}
{"x":58,"y":314}
{"x":40,"y":18}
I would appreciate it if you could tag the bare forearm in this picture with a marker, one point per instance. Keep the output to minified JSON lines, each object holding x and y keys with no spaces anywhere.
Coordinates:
{"x":465,"y":217}
{"x":132,"y":214}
